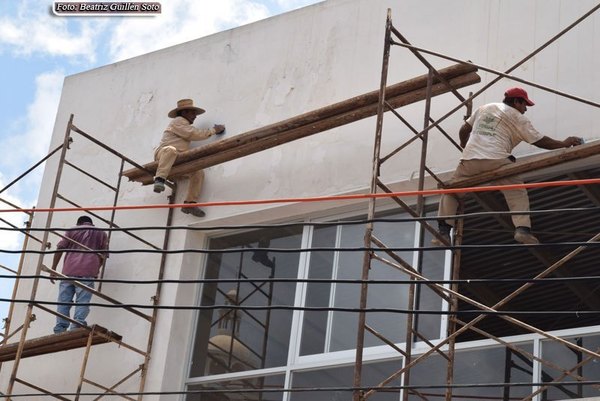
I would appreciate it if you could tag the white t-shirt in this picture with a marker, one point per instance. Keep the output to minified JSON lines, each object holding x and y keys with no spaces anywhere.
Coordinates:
{"x":496,"y":129}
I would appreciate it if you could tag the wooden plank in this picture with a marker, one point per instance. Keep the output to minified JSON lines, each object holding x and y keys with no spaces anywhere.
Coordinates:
{"x":59,"y":342}
{"x":310,"y":123}
{"x":529,"y":163}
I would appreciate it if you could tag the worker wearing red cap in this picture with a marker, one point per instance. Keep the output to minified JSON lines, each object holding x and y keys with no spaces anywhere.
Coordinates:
{"x":488,"y":137}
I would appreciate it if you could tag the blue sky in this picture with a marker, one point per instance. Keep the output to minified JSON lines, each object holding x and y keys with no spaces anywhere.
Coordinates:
{"x":38,"y":49}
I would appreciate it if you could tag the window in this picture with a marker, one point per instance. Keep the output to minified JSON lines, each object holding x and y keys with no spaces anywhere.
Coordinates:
{"x":237,"y":331}
{"x":242,"y":390}
{"x":474,"y":367}
{"x":329,"y":331}
{"x":236,"y":339}
{"x":576,"y":362}
{"x":342,"y":377}
{"x":242,"y":345}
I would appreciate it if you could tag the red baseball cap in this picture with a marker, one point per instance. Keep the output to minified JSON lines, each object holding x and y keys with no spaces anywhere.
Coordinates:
{"x":519,"y":93}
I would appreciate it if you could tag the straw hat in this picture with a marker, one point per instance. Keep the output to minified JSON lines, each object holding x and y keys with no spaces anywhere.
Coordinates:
{"x":185,"y":104}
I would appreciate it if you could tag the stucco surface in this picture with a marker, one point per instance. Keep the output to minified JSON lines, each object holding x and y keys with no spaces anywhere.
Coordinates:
{"x":263,"y":73}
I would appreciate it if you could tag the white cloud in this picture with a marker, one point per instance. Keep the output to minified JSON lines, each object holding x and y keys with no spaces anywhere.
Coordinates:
{"x":37,"y":127}
{"x":11,"y":240}
{"x":42,"y":112}
{"x":181,"y":21}
{"x":34,"y":30}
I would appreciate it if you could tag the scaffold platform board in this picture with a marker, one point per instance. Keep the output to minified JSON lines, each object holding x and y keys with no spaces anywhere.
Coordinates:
{"x":70,"y":339}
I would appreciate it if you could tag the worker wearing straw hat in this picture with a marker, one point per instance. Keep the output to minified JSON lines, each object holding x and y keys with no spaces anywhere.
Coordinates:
{"x":176,"y":139}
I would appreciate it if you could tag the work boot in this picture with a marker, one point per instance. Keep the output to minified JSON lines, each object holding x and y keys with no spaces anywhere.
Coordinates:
{"x":159,"y":184}
{"x":444,"y":229}
{"x":193,"y":210}
{"x":524,"y":236}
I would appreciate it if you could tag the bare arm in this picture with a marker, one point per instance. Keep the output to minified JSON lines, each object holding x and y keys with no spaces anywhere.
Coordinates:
{"x":549,"y":143}
{"x":464,"y":133}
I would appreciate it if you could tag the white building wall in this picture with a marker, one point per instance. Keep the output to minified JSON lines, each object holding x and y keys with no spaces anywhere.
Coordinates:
{"x":263,"y":73}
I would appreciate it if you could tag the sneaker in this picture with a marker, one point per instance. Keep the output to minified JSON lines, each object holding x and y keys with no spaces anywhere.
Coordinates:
{"x":159,"y":185}
{"x":524,"y":236}
{"x":437,"y":242}
{"x":193,"y":210}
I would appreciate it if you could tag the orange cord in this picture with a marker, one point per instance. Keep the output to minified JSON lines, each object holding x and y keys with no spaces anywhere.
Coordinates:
{"x":588,"y":181}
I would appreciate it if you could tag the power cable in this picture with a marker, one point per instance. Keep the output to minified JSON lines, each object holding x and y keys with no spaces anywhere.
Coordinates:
{"x":212,"y":389}
{"x":314,"y":308}
{"x":545,"y":280}
{"x":467,"y":247}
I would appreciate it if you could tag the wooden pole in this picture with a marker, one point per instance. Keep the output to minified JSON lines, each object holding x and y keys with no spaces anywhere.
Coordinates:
{"x":310,"y":123}
{"x":531,"y":163}
{"x":86,"y":357}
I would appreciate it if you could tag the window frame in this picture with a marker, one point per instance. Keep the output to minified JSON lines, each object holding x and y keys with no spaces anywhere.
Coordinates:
{"x":298,"y":363}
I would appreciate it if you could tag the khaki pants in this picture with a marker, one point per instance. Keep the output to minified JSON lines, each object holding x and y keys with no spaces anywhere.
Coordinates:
{"x":517,"y":199}
{"x":166,"y":157}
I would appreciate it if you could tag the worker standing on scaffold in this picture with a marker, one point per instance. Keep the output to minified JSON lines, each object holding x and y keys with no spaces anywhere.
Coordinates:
{"x":82,"y":266}
{"x":176,"y":139}
{"x":488,"y":138}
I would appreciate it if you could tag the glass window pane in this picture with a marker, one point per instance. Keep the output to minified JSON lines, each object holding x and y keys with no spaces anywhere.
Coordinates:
{"x":391,"y":325}
{"x":314,"y":326}
{"x":347,"y":295}
{"x":481,"y":366}
{"x":317,"y":381}
{"x":233,"y":340}
{"x":577,"y":362}
{"x":432,"y":267}
{"x":239,"y":390}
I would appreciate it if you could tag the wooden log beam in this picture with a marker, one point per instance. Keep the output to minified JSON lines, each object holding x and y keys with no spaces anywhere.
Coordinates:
{"x":301,"y":132}
{"x":310,"y":123}
{"x":529,"y":163}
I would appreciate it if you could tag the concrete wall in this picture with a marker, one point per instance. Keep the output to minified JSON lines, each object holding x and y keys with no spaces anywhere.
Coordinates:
{"x":263,"y":73}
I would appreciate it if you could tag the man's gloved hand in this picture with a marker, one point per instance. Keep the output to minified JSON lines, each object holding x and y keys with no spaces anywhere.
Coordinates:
{"x":219,"y":129}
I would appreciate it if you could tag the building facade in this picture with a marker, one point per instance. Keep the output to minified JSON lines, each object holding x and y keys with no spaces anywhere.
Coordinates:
{"x":235,"y":337}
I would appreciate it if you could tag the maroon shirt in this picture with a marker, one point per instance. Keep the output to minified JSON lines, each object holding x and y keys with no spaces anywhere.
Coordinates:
{"x":79,"y":264}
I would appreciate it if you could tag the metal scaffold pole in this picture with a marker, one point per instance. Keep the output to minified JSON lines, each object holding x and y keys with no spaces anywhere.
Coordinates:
{"x":29,"y":312}
{"x":357,"y":395}
{"x":87,"y":336}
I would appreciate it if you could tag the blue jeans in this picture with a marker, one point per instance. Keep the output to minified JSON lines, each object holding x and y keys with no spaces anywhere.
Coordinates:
{"x":66,"y":291}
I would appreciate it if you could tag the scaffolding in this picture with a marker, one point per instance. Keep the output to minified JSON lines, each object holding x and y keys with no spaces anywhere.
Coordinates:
{"x":451,"y":295}
{"x":436,"y":82}
{"x":81,"y":337}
